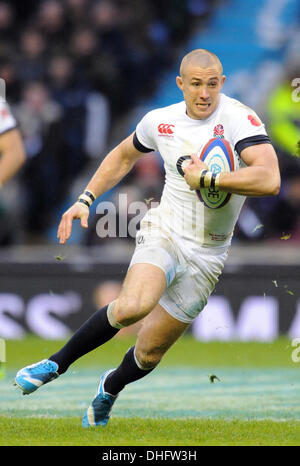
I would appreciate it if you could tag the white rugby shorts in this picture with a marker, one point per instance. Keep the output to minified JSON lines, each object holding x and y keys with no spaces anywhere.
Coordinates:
{"x":191,"y":271}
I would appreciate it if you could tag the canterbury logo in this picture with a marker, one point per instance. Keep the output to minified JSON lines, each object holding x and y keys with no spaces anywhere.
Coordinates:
{"x":165,"y":128}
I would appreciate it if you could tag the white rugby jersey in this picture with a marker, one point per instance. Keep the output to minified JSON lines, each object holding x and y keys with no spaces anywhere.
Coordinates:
{"x":175,"y":135}
{"x":7,"y":121}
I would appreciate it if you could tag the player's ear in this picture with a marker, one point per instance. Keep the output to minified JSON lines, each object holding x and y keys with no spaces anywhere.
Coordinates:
{"x":223,"y":79}
{"x":179,"y":82}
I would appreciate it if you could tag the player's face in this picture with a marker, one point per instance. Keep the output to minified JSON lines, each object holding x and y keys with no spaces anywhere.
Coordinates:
{"x":201,"y":90}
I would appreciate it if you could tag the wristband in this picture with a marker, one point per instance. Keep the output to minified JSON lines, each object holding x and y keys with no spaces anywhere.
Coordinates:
{"x":209,"y":179}
{"x":91,"y":195}
{"x":217,"y":181}
{"x":202,"y":178}
{"x":213,"y":181}
{"x":87,"y":198}
{"x":83,"y":201}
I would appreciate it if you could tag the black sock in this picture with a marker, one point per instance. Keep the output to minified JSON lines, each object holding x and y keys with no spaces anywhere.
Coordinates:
{"x":127,"y":372}
{"x":93,"y":333}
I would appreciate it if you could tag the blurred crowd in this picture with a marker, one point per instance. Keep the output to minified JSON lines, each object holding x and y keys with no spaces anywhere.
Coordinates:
{"x":75,"y":69}
{"x":117,"y":47}
{"x":278,"y":218}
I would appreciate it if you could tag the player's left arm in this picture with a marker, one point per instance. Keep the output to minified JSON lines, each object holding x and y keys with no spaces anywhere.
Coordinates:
{"x":261,"y":177}
{"x":12,"y":154}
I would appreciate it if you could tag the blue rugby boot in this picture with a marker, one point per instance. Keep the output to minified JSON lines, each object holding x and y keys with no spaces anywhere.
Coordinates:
{"x":98,"y":413}
{"x":30,"y":378}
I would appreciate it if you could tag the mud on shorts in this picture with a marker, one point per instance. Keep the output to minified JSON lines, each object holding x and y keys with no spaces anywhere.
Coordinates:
{"x":191,"y":271}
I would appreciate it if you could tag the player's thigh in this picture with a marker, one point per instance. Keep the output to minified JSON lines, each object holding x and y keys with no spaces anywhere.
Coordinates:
{"x":143,"y":287}
{"x":158,"y":333}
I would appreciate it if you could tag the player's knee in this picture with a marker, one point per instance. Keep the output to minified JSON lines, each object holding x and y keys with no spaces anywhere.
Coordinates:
{"x":126,"y":311}
{"x":129,"y":311}
{"x":147,"y":359}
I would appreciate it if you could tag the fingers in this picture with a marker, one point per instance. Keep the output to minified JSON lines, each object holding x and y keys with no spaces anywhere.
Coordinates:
{"x":194,"y":158}
{"x":84,"y":221}
{"x":59,"y":230}
{"x":65,"y":228}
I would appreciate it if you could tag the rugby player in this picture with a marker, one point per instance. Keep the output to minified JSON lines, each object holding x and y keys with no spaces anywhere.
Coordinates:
{"x":12,"y":154}
{"x":183,"y":243}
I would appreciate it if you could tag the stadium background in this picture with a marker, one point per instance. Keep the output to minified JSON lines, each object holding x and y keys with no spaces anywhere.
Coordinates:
{"x":79,"y":75}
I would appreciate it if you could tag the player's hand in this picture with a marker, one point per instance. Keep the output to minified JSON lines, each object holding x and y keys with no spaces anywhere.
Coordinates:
{"x":78,"y":210}
{"x":192,"y":172}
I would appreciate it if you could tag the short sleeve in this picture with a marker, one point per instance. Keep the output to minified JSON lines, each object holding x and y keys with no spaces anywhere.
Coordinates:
{"x":7,"y":121}
{"x":247,"y":129}
{"x":144,"y":139}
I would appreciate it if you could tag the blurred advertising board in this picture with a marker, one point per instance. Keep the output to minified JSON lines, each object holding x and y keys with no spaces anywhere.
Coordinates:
{"x":253,"y":302}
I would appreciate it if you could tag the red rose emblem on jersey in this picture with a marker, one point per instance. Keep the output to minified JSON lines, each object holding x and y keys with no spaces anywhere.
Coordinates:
{"x":253,"y":120}
{"x":219,"y":131}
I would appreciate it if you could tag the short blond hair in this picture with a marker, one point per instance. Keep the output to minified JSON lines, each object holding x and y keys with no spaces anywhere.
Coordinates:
{"x":202,"y":58}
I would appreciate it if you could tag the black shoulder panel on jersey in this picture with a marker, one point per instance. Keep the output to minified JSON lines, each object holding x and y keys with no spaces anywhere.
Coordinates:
{"x":139,"y":146}
{"x":252,"y":141}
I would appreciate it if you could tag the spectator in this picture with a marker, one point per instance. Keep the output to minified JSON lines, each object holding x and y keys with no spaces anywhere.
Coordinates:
{"x":7,"y":26}
{"x":76,"y":12}
{"x":44,"y":177}
{"x":32,"y":65}
{"x":283,"y":113}
{"x":51,"y":20}
{"x":86,"y":114}
{"x":83,"y":49}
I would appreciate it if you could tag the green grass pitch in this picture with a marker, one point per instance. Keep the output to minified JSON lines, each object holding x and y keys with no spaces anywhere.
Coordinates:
{"x":254,"y":402}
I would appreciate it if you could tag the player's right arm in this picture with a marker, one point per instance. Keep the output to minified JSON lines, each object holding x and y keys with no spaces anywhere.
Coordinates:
{"x":113,"y":168}
{"x":12,"y":154}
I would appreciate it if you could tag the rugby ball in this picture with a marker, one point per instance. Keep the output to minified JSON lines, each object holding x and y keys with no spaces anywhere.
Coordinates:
{"x":217,"y":155}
